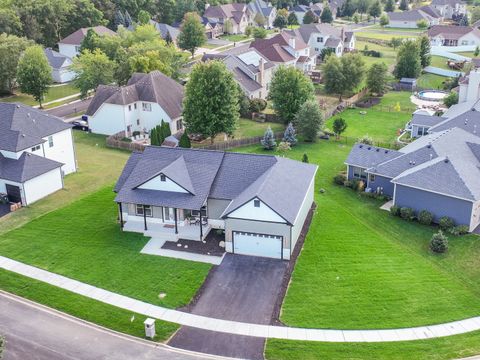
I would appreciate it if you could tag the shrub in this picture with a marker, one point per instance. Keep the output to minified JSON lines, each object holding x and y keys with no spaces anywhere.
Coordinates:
{"x":446,"y":223}
{"x":283,"y":146}
{"x":372,"y":53}
{"x":268,"y":140}
{"x":257,"y":105}
{"x":305,"y":159}
{"x":340,"y":179}
{"x":439,"y":243}
{"x":359,"y":185}
{"x":407,"y":213}
{"x":365,"y":139}
{"x":395,"y":210}
{"x":459,"y":230}
{"x":425,"y":217}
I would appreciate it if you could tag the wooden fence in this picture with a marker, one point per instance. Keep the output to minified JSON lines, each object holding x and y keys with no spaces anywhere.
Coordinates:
{"x":116,"y":141}
{"x":234,"y":143}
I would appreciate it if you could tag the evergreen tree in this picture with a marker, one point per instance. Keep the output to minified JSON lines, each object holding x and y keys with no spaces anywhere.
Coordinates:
{"x":309,"y":17}
{"x":390,"y":6}
{"x":348,"y":8}
{"x":280,"y":21}
{"x":289,"y":135}
{"x":463,"y":21}
{"x":292,"y":19}
{"x":166,"y":132}
{"x":424,"y":48}
{"x":326,"y":16}
{"x":408,"y":60}
{"x":403,"y":5}
{"x":305,"y":158}
{"x":309,"y":120}
{"x":268,"y":142}
{"x":128,"y":20}
{"x":476,"y":52}
{"x":185,"y":141}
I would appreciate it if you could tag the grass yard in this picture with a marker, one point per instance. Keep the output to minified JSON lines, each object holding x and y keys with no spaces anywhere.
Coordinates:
{"x":469,"y":54}
{"x":389,"y":55}
{"x":234,"y":37}
{"x":379,"y":122}
{"x":83,"y":241}
{"x":431,"y":81}
{"x":54,"y":93}
{"x":387,"y":36}
{"x":439,"y":62}
{"x":250,"y":128}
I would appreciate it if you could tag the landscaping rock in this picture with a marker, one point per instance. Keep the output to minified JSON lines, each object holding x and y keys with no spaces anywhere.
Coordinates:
{"x":221,"y":244}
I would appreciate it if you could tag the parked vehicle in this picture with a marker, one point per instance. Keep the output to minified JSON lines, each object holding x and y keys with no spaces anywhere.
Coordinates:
{"x":80,"y":125}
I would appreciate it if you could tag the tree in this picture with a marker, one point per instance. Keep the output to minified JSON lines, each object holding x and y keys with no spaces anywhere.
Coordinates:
{"x":280,"y":21}
{"x":289,"y":135}
{"x":343,"y":75}
{"x":309,"y":17}
{"x":268,"y":142}
{"x":339,"y":126}
{"x":356,"y":19}
{"x":184,"y":141}
{"x":305,"y":158}
{"x":422,"y":24}
{"x":156,"y":137}
{"x":476,"y":52}
{"x":192,"y":33}
{"x":377,"y":78}
{"x":463,"y":21}
{"x":424,"y":51}
{"x":375,"y":10}
{"x":408,"y":60}
{"x":403,"y":5}
{"x":34,"y":73}
{"x":92,"y":69}
{"x":119,"y":19}
{"x":362,"y":7}
{"x":475,"y":14}
{"x":395,"y":42}
{"x":292,"y":19}
{"x":143,"y":17}
{"x":439,"y":242}
{"x":167,"y":15}
{"x":11,"y":48}
{"x":384,"y":20}
{"x":259,"y":19}
{"x":309,"y":120}
{"x":90,"y":41}
{"x":128,"y":19}
{"x":451,"y":99}
{"x":326,"y":16}
{"x":289,"y":89}
{"x":211,"y":103}
{"x":389,"y":6}
{"x":10,"y":23}
{"x":259,"y":33}
{"x":348,"y":8}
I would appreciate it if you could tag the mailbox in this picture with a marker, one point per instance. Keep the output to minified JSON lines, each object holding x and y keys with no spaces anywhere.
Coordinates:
{"x":149,"y":328}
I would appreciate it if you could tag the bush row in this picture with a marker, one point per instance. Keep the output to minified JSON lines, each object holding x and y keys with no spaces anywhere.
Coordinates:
{"x":359,"y":186}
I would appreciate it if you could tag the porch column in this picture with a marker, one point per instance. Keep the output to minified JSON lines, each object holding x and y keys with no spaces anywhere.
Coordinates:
{"x":175,"y":217}
{"x":121,"y":214}
{"x":201,"y":230}
{"x":144,"y":218}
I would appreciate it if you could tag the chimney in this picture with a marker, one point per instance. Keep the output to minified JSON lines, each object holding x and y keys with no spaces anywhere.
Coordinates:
{"x":291,"y":42}
{"x":473,"y":85}
{"x":342,"y":34}
{"x":261,"y":75}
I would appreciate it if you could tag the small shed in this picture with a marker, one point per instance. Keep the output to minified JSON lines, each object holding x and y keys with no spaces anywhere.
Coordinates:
{"x":408,"y":84}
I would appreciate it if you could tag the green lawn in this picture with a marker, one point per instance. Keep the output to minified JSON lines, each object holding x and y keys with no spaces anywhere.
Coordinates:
{"x":250,"y":128}
{"x":234,"y":37}
{"x":380,"y":122}
{"x":387,"y":35}
{"x":84,"y":241}
{"x":439,"y":62}
{"x":388,"y":54}
{"x":54,"y":92}
{"x":431,"y":81}
{"x":469,"y":54}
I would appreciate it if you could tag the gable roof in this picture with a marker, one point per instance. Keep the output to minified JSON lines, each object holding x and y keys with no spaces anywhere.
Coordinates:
{"x":22,"y":126}
{"x":447,"y":2}
{"x":426,"y":120}
{"x":56,"y":60}
{"x":411,"y":15}
{"x":274,"y":49}
{"x":77,"y":37}
{"x":367,"y":156}
{"x":215,"y":174}
{"x":166,"y":30}
{"x":468,"y":121}
{"x":152,"y":87}
{"x":27,"y":167}
{"x":452,"y":31}
{"x":234,"y":11}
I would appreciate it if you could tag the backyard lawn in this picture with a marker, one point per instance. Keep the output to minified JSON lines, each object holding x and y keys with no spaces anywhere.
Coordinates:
{"x":250,"y":128}
{"x":431,"y":81}
{"x":439,"y":61}
{"x":388,"y":54}
{"x":381,"y":121}
{"x":54,"y":92}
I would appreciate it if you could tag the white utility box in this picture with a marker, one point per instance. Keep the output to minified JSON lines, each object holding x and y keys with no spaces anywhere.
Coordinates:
{"x":149,"y":328}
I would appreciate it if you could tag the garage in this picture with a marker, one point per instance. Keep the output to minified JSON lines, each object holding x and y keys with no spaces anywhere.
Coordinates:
{"x":14,"y":194}
{"x":265,"y":245}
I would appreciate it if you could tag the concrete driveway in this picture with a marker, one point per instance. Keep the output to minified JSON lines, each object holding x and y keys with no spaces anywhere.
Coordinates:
{"x":242,"y":288}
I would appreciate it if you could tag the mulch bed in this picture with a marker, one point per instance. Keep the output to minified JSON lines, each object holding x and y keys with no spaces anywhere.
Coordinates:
{"x":291,"y":265}
{"x":367,"y":103}
{"x":210,"y":247}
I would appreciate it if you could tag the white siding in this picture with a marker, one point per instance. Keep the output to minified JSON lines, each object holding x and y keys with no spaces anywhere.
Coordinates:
{"x":302,"y":214}
{"x":68,"y":50}
{"x":62,"y":150}
{"x":262,"y":213}
{"x":43,"y":185}
{"x":62,"y":75}
{"x":167,"y":185}
{"x":108,"y":120}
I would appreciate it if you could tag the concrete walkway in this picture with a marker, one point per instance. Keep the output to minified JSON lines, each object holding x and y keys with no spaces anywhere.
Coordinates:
{"x":240,"y":328}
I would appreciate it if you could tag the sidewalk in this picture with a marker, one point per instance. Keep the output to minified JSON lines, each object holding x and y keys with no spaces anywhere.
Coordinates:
{"x":73,"y":96}
{"x":239,"y":328}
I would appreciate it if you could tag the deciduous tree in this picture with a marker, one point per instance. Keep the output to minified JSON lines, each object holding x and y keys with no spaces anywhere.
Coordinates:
{"x":377,"y":78}
{"x":309,"y":17}
{"x":339,"y":126}
{"x":375,"y":10}
{"x":408,"y":60}
{"x":11,"y":48}
{"x":424,"y":51}
{"x":192,"y":33}
{"x":309,"y":120}
{"x":280,"y":21}
{"x":343,"y":75}
{"x":292,"y":19}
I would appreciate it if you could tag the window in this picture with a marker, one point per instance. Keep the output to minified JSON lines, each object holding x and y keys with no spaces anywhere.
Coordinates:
{"x":359,"y":173}
{"x":138,"y":121}
{"x":464,"y":42}
{"x":179,"y":125}
{"x":372,"y":177}
{"x":35,"y":148}
{"x":135,"y":106}
{"x":146,"y":107}
{"x":129,"y":107}
{"x":139,"y":210}
{"x":316,"y":49}
{"x":77,"y":48}
{"x":319,"y":39}
{"x":50,"y":141}
{"x":163,"y":178}
{"x":256,"y":203}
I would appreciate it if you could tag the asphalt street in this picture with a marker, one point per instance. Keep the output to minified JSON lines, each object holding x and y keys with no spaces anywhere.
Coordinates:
{"x":71,"y":108}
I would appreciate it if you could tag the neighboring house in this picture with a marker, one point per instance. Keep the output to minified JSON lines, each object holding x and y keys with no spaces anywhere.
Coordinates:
{"x":451,"y":35}
{"x":70,"y":45}
{"x":316,"y":9}
{"x":238,"y":14}
{"x":167,"y":32}
{"x":141,"y":105}
{"x":265,"y":9}
{"x":438,"y":172}
{"x":36,"y":151}
{"x":410,"y":18}
{"x":469,"y":86}
{"x":252,"y":71}
{"x":213,"y":29}
{"x":260,"y":201}
{"x":450,"y":9}
{"x":286,"y":49}
{"x":320,"y":36}
{"x":60,"y":64}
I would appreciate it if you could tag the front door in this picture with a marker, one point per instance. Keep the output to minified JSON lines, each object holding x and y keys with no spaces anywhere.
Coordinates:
{"x":168,"y":214}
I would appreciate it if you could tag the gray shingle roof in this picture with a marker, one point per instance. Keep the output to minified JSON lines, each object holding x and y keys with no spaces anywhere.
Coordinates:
{"x":77,"y":37}
{"x":22,"y":126}
{"x":27,"y":167}
{"x":152,"y":87}
{"x":280,"y":183}
{"x":367,"y":156}
{"x":426,"y":120}
{"x":56,"y":60}
{"x":166,"y":30}
{"x":468,"y":121}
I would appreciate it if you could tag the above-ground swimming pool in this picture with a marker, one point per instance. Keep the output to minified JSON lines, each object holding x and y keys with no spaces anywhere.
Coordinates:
{"x":432,"y":95}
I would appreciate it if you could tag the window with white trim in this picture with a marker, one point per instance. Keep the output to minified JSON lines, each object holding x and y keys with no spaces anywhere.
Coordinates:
{"x":163,"y":178}
{"x":35,"y":148}
{"x":256,"y":203}
{"x":359,"y":173}
{"x":50,"y":141}
{"x":372,"y":177}
{"x":140,"y":208}
{"x":179,"y":125}
{"x":146,"y":107}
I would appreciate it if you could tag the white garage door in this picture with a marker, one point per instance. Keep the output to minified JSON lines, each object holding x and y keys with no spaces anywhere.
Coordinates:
{"x":257,"y":244}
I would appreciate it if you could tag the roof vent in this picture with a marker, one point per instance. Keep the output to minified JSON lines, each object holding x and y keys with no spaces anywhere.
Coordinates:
{"x":360,"y":146}
{"x":386,"y":151}
{"x":18,"y":106}
{"x":28,"y":114}
{"x":446,"y":160}
{"x":378,"y":150}
{"x":431,"y":156}
{"x":413,"y":162}
{"x":429,"y":145}
{"x":369,"y":148}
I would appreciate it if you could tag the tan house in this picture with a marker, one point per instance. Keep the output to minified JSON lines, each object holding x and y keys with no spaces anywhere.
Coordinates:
{"x":234,"y":17}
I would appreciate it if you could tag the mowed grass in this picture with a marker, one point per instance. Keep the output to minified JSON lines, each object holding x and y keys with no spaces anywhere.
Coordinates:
{"x":389,"y":55}
{"x":249,"y":128}
{"x":381,"y":121}
{"x":439,"y":61}
{"x":83,"y":241}
{"x":82,"y":307}
{"x":54,"y":93}
{"x":387,"y":35}
{"x":431,"y":81}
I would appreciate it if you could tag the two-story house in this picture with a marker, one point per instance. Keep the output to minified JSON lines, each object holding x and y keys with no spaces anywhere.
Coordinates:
{"x":321,"y":36}
{"x":237,"y":15}
{"x":36,"y":151}
{"x":70,"y":45}
{"x":450,"y":9}
{"x":265,"y":10}
{"x":142,"y":104}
